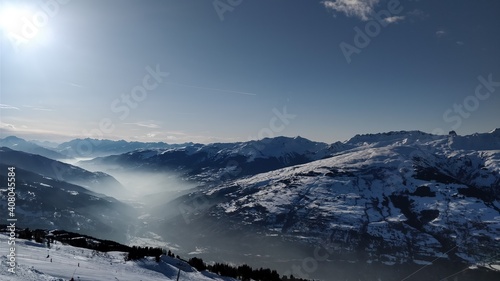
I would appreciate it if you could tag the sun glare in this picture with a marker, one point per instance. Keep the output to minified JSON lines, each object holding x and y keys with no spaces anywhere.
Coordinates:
{"x":12,"y":19}
{"x":22,"y":24}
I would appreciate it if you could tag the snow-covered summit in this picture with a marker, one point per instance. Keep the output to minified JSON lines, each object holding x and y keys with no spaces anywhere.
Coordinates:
{"x":478,"y":141}
{"x":393,"y":137}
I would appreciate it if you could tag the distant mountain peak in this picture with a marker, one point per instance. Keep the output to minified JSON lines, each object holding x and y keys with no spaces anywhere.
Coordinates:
{"x":20,"y":144}
{"x":394,"y":133}
{"x":391,"y":137}
{"x":13,"y":138}
{"x":282,"y":138}
{"x":495,"y":131}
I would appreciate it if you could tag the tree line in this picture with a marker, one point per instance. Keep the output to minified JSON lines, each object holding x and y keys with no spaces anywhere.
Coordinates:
{"x":243,"y":272}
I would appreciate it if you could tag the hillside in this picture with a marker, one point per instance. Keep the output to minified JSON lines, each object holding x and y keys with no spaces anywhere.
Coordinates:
{"x":43,"y":202}
{"x":61,"y":262}
{"x":394,"y":199}
{"x":96,"y":181}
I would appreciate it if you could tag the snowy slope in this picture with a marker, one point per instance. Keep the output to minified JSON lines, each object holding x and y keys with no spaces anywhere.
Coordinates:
{"x":391,"y":138}
{"x":279,"y":147}
{"x":487,"y":141}
{"x":33,"y":265}
{"x":397,"y":197}
{"x":43,"y":202}
{"x":95,"y":181}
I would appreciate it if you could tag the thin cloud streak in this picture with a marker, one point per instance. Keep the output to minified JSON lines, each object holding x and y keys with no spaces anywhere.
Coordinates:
{"x":6,"y":106}
{"x":213,"y":89}
{"x":73,"y":84}
{"x":39,"y":108}
{"x":140,"y":124}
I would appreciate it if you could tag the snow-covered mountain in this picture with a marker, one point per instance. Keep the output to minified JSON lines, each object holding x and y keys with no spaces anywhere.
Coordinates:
{"x":489,"y":141}
{"x":55,"y":194}
{"x":43,"y":202}
{"x":391,"y":202}
{"x":35,"y":262}
{"x":218,"y":162}
{"x":16,"y":143}
{"x":45,"y":143}
{"x":392,"y":198}
{"x":96,"y":181}
{"x":88,"y":148}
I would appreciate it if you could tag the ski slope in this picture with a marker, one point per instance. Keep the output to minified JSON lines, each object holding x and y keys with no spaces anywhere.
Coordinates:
{"x":34,"y":264}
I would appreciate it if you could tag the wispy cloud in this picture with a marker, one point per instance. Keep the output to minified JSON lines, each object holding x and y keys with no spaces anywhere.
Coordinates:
{"x":441,"y":33}
{"x":212,"y":89}
{"x":394,"y":19}
{"x":460,"y":43}
{"x":39,"y":108}
{"x":72,"y":84}
{"x":361,"y":9}
{"x":150,"y":125}
{"x":7,"y":125}
{"x":6,"y":106}
{"x":177,"y":133}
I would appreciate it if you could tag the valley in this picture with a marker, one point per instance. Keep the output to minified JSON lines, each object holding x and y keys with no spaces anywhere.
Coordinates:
{"x":390,"y":203}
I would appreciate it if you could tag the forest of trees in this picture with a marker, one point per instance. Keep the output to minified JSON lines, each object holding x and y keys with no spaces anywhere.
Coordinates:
{"x":73,"y":239}
{"x":136,"y":253}
{"x":242,"y":272}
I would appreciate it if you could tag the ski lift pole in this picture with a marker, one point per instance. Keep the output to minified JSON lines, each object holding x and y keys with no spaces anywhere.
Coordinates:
{"x":178,"y":274}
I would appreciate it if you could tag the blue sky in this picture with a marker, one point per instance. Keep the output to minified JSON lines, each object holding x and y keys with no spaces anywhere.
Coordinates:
{"x":241,"y":69}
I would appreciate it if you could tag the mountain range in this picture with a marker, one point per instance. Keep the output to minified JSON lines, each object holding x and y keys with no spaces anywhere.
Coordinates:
{"x":218,"y":162}
{"x":389,"y":203}
{"x":16,"y":143}
{"x":388,"y":199}
{"x":88,"y":148}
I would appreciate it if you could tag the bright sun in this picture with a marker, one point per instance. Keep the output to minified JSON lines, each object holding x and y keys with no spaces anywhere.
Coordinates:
{"x":21,"y":24}
{"x":13,"y":18}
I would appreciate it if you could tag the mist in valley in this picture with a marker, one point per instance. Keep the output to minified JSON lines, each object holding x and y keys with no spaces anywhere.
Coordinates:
{"x":143,"y":186}
{"x":164,"y":209}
